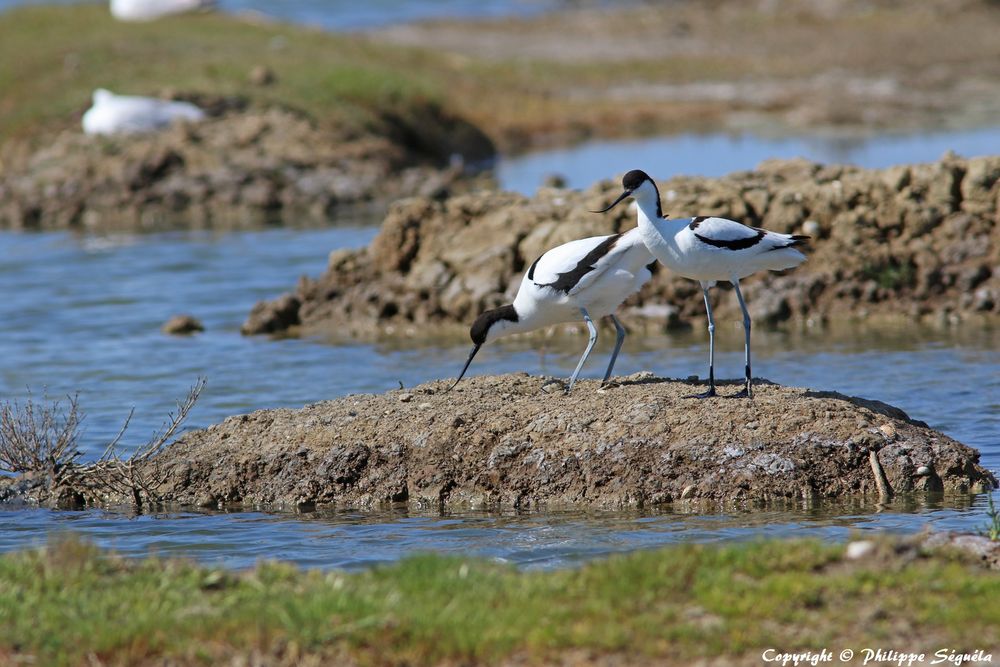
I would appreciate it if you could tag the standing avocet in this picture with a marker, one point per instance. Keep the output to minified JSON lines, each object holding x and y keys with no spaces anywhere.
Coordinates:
{"x":585,"y":278}
{"x":709,"y":249}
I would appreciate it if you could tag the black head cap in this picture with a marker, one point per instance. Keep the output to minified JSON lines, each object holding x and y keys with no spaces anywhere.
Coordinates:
{"x":634,"y":179}
{"x":482,"y":325}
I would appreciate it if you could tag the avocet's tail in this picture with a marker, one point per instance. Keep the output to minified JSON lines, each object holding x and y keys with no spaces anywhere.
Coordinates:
{"x":783,"y":253}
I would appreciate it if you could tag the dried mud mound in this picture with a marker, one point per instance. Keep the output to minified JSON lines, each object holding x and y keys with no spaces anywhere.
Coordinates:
{"x":916,"y":241}
{"x":240,"y":167}
{"x":504,"y":441}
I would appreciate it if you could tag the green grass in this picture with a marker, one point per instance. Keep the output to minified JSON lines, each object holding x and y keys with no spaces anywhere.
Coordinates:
{"x":890,"y":275}
{"x":52,"y":58}
{"x":71,"y":600}
{"x":992,"y":530}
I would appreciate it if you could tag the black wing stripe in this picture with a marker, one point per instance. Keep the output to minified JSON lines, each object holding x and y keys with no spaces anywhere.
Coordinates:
{"x":569,"y":279}
{"x":794,"y":240}
{"x":531,"y":271}
{"x":734,"y":244}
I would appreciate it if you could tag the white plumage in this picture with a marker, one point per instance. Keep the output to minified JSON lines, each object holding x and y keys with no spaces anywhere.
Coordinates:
{"x":149,"y":10}
{"x":709,"y":249}
{"x":712,"y":249}
{"x":588,"y":278}
{"x":124,"y":114}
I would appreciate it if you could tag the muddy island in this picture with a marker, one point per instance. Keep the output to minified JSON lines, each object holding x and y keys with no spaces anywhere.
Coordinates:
{"x":518,"y":441}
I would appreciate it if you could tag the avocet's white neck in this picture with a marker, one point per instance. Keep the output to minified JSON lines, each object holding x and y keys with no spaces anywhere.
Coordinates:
{"x":657,"y":232}
{"x":647,"y":198}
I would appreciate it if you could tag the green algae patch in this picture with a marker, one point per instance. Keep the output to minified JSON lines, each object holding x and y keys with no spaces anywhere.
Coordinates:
{"x":66,"y":602}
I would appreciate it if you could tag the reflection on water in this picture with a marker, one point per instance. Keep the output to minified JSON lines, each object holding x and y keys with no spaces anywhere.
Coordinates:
{"x":554,"y":538}
{"x":719,"y":154}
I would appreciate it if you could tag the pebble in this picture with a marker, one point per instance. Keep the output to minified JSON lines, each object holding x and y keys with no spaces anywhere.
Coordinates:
{"x":180,"y":325}
{"x":425,"y":406}
{"x":924,"y":471}
{"x":859,"y":549}
{"x":688,"y":491}
{"x":261,"y":75}
{"x":888,"y":430}
{"x":811,"y":228}
{"x":554,"y":386}
{"x":405,"y":398}
{"x":555,"y":181}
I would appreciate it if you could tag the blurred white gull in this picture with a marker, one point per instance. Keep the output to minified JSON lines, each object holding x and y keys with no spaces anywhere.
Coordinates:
{"x":149,"y":10}
{"x":124,"y":114}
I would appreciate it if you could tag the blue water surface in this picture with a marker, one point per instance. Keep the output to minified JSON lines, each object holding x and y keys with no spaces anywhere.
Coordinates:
{"x":717,"y":154}
{"x":82,"y":314}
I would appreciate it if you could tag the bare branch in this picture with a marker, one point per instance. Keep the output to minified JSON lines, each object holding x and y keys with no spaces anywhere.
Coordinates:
{"x":156,"y":443}
{"x":110,"y":449}
{"x":132,"y":477}
{"x":43,"y":439}
{"x":39,"y":440}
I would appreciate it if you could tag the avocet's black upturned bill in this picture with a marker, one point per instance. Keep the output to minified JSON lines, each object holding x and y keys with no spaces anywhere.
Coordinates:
{"x":584,"y":278}
{"x":709,"y":249}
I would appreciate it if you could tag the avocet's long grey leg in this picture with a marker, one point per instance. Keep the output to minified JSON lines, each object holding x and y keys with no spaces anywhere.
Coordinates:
{"x":747,"y":391}
{"x":618,"y":346}
{"x":586,"y":353}
{"x":711,"y":344}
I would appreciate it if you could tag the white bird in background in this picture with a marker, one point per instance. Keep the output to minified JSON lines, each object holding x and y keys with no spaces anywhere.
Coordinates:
{"x":708,"y":250}
{"x":149,"y":10}
{"x":584,"y":278}
{"x":123,"y":114}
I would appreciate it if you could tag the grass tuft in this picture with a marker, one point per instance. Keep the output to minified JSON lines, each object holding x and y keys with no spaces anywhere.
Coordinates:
{"x":992,"y":530}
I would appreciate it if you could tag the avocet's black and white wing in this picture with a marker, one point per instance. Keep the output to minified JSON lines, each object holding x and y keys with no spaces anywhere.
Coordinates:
{"x":712,"y":232}
{"x":575,"y":266}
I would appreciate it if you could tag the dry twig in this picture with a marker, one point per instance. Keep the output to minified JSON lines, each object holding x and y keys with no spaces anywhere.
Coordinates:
{"x":43,"y":440}
{"x":136,"y":476}
{"x":39,"y":438}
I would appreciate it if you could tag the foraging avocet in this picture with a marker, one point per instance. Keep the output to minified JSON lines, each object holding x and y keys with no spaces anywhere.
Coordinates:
{"x":709,"y":249}
{"x":584,"y":278}
{"x":125,"y":114}
{"x":149,"y":10}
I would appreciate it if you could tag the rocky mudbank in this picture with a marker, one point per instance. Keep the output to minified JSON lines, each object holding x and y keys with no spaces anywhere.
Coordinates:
{"x":919,"y":241}
{"x":519,"y":441}
{"x":241,"y":167}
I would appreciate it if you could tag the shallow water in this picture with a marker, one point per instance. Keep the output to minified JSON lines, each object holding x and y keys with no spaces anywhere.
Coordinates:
{"x":554,"y":538}
{"x":718,"y":154}
{"x":82,"y":313}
